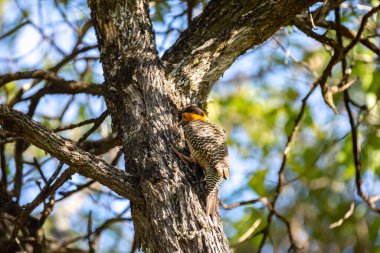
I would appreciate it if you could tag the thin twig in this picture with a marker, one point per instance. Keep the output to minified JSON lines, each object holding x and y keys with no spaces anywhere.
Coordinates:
{"x":357,"y":154}
{"x":75,"y":125}
{"x":46,"y":191}
{"x":263,"y":200}
{"x":361,"y":29}
{"x":97,"y":123}
{"x":354,"y":134}
{"x":280,"y":182}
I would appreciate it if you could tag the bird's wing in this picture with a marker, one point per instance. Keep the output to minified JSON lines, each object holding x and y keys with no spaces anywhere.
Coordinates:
{"x":209,"y":141}
{"x":221,"y":152}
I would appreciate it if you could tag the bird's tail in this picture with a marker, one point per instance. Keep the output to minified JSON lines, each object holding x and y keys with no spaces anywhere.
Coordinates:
{"x":213,"y":182}
{"x":212,"y":203}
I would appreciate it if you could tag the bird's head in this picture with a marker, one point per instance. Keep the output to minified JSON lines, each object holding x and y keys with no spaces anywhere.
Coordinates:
{"x":192,"y":113}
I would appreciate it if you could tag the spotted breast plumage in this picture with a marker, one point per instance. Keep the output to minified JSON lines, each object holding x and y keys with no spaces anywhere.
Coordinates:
{"x":207,"y":144}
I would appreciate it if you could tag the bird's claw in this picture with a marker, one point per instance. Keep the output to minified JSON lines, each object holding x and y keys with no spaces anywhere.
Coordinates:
{"x":184,"y":158}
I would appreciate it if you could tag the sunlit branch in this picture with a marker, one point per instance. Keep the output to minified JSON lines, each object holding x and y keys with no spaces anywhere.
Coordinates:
{"x":85,"y":163}
{"x":345,"y":217}
{"x":247,"y":235}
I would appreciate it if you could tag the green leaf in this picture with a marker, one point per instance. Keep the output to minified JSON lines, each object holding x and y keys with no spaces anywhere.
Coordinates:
{"x":257,"y":182}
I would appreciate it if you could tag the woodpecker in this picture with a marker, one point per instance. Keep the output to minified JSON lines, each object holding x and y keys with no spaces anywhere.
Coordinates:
{"x":208,"y":148}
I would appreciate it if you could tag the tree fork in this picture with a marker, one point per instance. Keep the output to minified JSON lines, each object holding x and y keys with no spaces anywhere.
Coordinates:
{"x":144,"y":96}
{"x":144,"y":107}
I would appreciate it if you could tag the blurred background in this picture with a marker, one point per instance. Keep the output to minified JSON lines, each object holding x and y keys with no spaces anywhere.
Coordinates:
{"x":256,"y":101}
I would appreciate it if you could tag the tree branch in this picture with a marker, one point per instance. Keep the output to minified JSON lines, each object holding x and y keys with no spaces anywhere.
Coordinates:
{"x":210,"y":45}
{"x":357,"y":157}
{"x":340,"y":53}
{"x":362,"y":26}
{"x":346,"y":32}
{"x":144,"y":107}
{"x":281,"y":177}
{"x":58,"y":84}
{"x":84,"y":163}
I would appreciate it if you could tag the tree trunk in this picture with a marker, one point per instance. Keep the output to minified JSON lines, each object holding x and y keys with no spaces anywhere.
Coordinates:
{"x":144,"y":109}
{"x":145,"y":94}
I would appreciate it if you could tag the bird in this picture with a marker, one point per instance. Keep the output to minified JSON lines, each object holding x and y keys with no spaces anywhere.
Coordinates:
{"x":208,"y":148}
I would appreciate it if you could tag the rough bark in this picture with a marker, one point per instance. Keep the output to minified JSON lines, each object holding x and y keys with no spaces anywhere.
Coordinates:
{"x":144,"y":97}
{"x":143,"y":106}
{"x":84,"y":163}
{"x":216,"y":38}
